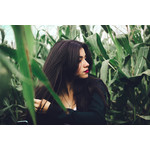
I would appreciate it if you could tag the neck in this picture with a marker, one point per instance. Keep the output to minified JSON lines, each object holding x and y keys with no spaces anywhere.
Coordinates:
{"x":69,"y":88}
{"x":67,"y":97}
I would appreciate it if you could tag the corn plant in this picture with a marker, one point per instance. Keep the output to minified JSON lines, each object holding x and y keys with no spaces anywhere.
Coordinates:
{"x":28,"y":66}
{"x":125,"y":72}
{"x":120,"y":60}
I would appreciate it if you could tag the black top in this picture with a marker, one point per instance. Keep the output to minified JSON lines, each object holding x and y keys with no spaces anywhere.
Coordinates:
{"x":95,"y":114}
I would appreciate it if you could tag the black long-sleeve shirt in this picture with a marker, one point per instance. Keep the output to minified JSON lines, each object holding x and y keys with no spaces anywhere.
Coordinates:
{"x":95,"y":114}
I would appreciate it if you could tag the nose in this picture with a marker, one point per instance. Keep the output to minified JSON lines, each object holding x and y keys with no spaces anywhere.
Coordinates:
{"x":86,"y":64}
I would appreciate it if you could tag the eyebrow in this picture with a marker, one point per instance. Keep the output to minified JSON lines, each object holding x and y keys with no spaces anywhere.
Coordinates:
{"x":82,"y":56}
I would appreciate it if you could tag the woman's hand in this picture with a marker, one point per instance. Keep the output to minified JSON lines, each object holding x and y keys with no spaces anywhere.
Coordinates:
{"x":41,"y":105}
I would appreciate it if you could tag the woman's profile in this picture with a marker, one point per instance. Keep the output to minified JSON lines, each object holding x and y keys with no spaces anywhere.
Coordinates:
{"x":67,"y":68}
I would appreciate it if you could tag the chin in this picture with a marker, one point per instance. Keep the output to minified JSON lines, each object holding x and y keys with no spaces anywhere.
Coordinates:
{"x":84,"y":76}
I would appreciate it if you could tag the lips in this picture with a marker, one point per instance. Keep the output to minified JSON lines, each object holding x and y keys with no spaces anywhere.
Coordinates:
{"x":87,"y":71}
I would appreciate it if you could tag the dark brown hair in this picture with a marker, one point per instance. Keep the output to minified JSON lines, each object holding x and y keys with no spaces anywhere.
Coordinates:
{"x":61,"y":66}
{"x":62,"y":63}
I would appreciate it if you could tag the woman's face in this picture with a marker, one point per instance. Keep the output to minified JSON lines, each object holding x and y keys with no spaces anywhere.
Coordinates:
{"x":83,"y":70}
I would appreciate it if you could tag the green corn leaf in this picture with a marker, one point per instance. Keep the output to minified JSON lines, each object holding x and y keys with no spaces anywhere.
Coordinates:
{"x":51,"y":38}
{"x":2,"y":111}
{"x":139,"y":45}
{"x":120,"y":72}
{"x":120,"y":53}
{"x":37,"y":35}
{"x":40,"y":61}
{"x":11,"y":68}
{"x":43,"y":45}
{"x":143,"y":52}
{"x":2,"y":34}
{"x":136,"y":34}
{"x":73,"y":32}
{"x":105,"y":28}
{"x":42,"y":77}
{"x":85,"y":29}
{"x":144,"y":117}
{"x":63,"y":37}
{"x":67,"y":31}
{"x":101,"y":48}
{"x":124,"y":42}
{"x":115,"y":112}
{"x":92,"y":41}
{"x":147,"y":61}
{"x":114,"y":79}
{"x":109,"y":31}
{"x":147,"y":72}
{"x":127,"y":60}
{"x":93,"y":70}
{"x":96,"y":45}
{"x":104,"y":71}
{"x":25,"y":46}
{"x":118,"y":122}
{"x":30,"y":40}
{"x":8,"y":51}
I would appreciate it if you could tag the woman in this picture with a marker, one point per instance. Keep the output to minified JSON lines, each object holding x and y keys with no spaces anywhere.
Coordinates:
{"x":67,"y":68}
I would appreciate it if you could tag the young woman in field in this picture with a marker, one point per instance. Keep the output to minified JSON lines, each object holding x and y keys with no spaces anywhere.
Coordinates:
{"x":67,"y":68}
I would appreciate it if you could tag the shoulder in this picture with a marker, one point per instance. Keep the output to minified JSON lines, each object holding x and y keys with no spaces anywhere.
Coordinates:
{"x":96,"y":85}
{"x":97,"y":82}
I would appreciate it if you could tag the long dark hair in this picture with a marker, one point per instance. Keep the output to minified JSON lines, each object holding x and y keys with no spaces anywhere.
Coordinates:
{"x":61,"y":66}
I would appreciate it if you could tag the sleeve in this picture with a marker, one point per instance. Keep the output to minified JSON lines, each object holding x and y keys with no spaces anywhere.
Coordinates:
{"x":94,"y":116}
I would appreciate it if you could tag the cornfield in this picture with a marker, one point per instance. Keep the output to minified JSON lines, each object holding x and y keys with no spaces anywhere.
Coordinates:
{"x":120,"y":59}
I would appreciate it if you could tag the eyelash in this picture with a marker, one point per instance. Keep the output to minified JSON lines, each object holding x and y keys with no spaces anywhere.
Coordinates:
{"x":81,"y":60}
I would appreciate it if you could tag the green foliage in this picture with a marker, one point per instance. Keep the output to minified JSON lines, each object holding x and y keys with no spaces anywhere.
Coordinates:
{"x":129,"y":94}
{"x":2,"y":35}
{"x":122,"y":67}
{"x":120,"y":60}
{"x":25,"y":46}
{"x":24,"y":67}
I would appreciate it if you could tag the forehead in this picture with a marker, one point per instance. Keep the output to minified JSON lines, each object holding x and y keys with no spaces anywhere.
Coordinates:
{"x":82,"y":52}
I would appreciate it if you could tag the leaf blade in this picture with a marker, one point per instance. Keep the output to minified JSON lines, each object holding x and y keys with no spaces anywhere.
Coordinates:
{"x":24,"y":57}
